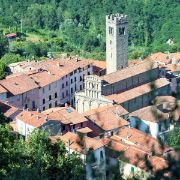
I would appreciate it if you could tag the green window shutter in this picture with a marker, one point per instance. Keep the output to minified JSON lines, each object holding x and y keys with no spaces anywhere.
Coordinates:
{"x":132,"y":170}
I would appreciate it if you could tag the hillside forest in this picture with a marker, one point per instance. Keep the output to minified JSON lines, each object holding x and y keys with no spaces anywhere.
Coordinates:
{"x":78,"y":27}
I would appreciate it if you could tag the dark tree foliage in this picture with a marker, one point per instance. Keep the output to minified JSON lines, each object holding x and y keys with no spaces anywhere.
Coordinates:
{"x":36,"y":159}
{"x":151,"y":22}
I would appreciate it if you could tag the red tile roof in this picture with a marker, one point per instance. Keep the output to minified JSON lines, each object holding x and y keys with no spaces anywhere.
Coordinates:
{"x":66,"y":115}
{"x":2,"y":90}
{"x":141,"y":140}
{"x":173,"y":67}
{"x":84,"y":130}
{"x":137,"y":91}
{"x":138,"y":157}
{"x":11,"y":35}
{"x":108,"y":117}
{"x":150,"y":113}
{"x":18,"y":85}
{"x":8,"y":110}
{"x":129,"y":72}
{"x":74,"y":142}
{"x":32,"y":118}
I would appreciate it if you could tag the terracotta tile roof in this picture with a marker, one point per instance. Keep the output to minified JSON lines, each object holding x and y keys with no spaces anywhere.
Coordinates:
{"x":2,"y":90}
{"x":53,"y":70}
{"x":159,"y":57}
{"x":164,"y":99}
{"x":141,"y":140}
{"x":61,"y":67}
{"x":74,"y":142}
{"x":11,"y":35}
{"x":150,"y":113}
{"x":107,"y":118}
{"x":19,"y":84}
{"x":8,"y":110}
{"x":32,"y":118}
{"x":133,"y":62}
{"x":138,"y":157}
{"x":99,"y":64}
{"x":129,"y":72}
{"x":114,"y":108}
{"x":84,"y":130}
{"x":173,"y":67}
{"x":66,"y":115}
{"x":44,"y":78}
{"x":170,"y":104}
{"x":137,"y":91}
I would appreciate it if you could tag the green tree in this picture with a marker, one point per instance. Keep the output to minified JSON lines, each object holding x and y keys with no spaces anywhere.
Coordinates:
{"x":4,"y":45}
{"x":174,"y":138}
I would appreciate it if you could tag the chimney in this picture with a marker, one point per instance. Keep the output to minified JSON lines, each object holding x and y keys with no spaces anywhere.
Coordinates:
{"x":46,"y":118}
{"x":77,"y":58}
{"x":37,"y":117}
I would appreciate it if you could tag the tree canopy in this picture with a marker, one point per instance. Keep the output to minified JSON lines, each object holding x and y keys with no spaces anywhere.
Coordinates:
{"x":38,"y":158}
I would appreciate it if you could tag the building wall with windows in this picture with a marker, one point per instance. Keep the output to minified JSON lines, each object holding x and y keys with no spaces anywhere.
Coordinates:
{"x":27,"y":100}
{"x":152,"y":128}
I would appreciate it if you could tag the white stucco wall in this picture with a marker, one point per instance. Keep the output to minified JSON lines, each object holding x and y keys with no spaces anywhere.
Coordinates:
{"x":145,"y":125}
{"x":23,"y":128}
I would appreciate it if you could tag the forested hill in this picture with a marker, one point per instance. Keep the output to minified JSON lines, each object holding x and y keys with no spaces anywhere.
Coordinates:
{"x":81,"y":23}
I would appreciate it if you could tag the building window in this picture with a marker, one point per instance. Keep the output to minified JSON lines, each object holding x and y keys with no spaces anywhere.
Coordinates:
{"x":49,"y":87}
{"x":101,"y":154}
{"x":71,"y":81}
{"x":43,"y":90}
{"x":49,"y":97}
{"x":71,"y":73}
{"x":74,"y":126}
{"x":89,"y":66}
{"x":66,"y":92}
{"x":44,"y":108}
{"x":63,"y":128}
{"x":75,"y":71}
{"x":81,"y":78}
{"x":33,"y":105}
{"x":71,"y":90}
{"x":111,"y":30}
{"x":80,"y":87}
{"x":62,"y":95}
{"x":18,"y":97}
{"x":63,"y":86}
{"x":55,"y":95}
{"x":75,"y":87}
{"x":159,"y":126}
{"x":26,"y":106}
{"x":50,"y":105}
{"x":81,"y":125}
{"x":55,"y":103}
{"x":75,"y":79}
{"x":122,"y":31}
{"x":43,"y":101}
{"x":89,"y":73}
{"x":66,"y":83}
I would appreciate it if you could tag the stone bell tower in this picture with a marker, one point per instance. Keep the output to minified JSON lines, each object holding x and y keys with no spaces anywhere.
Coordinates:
{"x":116,"y":42}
